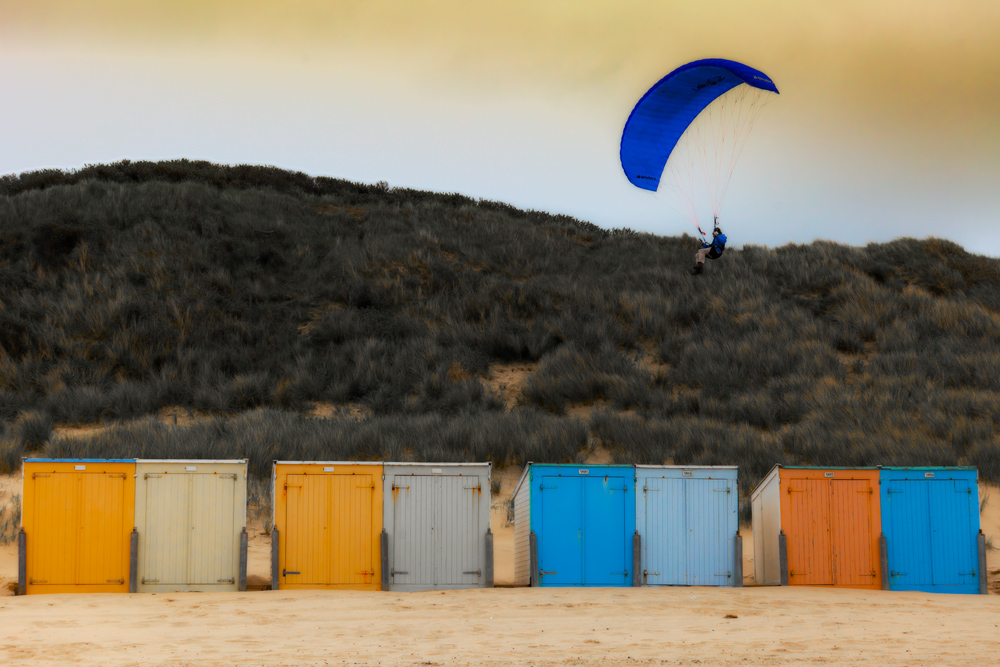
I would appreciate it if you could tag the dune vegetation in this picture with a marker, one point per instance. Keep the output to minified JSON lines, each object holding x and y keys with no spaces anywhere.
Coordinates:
{"x":251,"y":295}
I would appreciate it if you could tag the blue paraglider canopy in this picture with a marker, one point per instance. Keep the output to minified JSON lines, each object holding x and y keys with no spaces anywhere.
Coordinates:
{"x":668,"y":108}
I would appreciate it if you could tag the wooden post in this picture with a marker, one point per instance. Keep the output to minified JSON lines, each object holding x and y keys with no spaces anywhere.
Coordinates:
{"x":533,"y":557}
{"x":275,"y":579}
{"x":636,"y":559}
{"x":133,"y":562}
{"x":782,"y":557}
{"x":738,"y":561}
{"x":488,"y":569}
{"x":883,"y":553}
{"x":244,"y":543}
{"x":984,"y":588}
{"x":22,"y":562}
{"x":384,"y":550}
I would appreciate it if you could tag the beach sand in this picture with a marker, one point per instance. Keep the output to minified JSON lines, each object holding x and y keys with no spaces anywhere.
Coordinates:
{"x":503,"y":626}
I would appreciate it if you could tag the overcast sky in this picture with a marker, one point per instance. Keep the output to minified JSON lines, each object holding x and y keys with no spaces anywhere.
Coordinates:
{"x":887,"y":125}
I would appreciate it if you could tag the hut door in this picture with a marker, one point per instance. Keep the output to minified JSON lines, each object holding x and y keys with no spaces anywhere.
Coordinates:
{"x":328,"y":530}
{"x":55,"y":542}
{"x":953,"y":556}
{"x":81,"y":529}
{"x":560,"y":536}
{"x":604,"y":535}
{"x":851,"y":529}
{"x":413,"y":545}
{"x":167,"y":528}
{"x":211,"y":556}
{"x":708,"y":532}
{"x":663,"y":562}
{"x":810,"y":560}
{"x":457,"y":532}
{"x":437,"y":540}
{"x":908,"y":533}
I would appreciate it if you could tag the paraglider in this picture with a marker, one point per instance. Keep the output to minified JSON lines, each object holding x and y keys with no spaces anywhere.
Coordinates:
{"x":685,"y":135}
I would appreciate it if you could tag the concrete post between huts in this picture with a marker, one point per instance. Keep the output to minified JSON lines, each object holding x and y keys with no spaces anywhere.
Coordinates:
{"x":488,"y":567}
{"x":533,"y":557}
{"x":883,"y":555}
{"x":636,"y":559}
{"x":22,"y":562}
{"x":275,"y":539}
{"x":783,"y":557}
{"x":384,"y":551}
{"x":984,"y":588}
{"x":738,"y":561}
{"x":133,"y":562}
{"x":244,"y":545}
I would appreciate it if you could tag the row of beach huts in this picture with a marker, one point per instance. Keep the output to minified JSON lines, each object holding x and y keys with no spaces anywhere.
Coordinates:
{"x":134,"y":525}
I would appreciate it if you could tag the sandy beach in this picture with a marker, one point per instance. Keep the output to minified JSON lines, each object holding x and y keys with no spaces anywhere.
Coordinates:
{"x":503,"y":626}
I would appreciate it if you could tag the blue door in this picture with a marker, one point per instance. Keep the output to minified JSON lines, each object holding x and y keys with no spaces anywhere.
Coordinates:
{"x":709,"y":512}
{"x":560,"y":535}
{"x":604,"y":557}
{"x":930,"y":534}
{"x":954,"y":557}
{"x":583,"y":520}
{"x":688,"y":520}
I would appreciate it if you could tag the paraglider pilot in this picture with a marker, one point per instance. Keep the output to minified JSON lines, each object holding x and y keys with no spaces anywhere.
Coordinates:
{"x":711,"y":250}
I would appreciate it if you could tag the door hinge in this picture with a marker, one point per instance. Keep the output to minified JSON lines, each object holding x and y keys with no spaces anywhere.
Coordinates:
{"x":232,"y":477}
{"x":395,"y":572}
{"x":38,"y":474}
{"x":543,"y":487}
{"x":543,"y":572}
{"x":148,"y":475}
{"x":620,"y":574}
{"x":40,"y":581}
{"x":285,"y":573}
{"x":478,"y":573}
{"x":149,"y":581}
{"x":226,"y":581}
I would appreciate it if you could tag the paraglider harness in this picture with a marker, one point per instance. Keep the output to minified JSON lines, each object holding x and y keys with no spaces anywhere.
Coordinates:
{"x":718,"y":244}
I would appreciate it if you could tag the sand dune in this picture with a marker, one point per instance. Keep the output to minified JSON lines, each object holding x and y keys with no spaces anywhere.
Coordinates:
{"x":648,"y":626}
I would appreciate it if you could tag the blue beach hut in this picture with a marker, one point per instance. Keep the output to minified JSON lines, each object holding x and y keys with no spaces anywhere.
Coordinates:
{"x":930,"y":524}
{"x":573,"y":525}
{"x":687,"y":523}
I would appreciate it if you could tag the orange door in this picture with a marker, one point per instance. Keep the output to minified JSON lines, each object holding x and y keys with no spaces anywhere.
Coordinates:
{"x":810,"y":561}
{"x":854,"y":562}
{"x":77,"y":519}
{"x":329,"y":521}
{"x":831,"y":523}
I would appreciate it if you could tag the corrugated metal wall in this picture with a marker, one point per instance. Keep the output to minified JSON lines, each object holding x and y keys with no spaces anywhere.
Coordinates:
{"x":189,"y":516}
{"x":77,"y":517}
{"x":931,"y":521}
{"x":522,"y":530}
{"x":329,"y":518}
{"x":688,"y":519}
{"x":583,"y":517}
{"x":436,"y":517}
{"x":831,"y":519}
